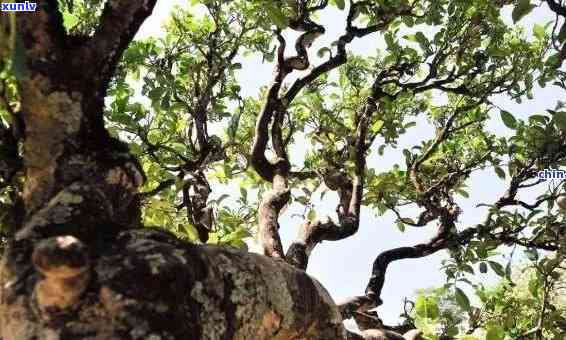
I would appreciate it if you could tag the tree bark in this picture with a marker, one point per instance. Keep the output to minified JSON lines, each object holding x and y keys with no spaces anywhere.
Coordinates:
{"x":149,"y":285}
{"x":81,"y":265}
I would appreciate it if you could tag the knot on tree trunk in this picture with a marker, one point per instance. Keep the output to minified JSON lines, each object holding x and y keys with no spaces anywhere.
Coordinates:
{"x":65,"y":265}
{"x":91,"y":195}
{"x":78,"y":210}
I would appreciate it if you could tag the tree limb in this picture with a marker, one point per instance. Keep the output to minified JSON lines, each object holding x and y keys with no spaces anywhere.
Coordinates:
{"x":556,"y":7}
{"x":350,"y":193}
{"x":119,"y":22}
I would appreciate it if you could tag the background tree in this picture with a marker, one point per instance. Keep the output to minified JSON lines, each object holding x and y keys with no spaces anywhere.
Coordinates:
{"x":528,"y":305}
{"x":88,"y":166}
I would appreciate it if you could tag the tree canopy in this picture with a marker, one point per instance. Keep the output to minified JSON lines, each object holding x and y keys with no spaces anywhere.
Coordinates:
{"x":319,"y":131}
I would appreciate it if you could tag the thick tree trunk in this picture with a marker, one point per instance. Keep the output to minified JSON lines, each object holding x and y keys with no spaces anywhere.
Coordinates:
{"x":81,"y":265}
{"x":149,"y":285}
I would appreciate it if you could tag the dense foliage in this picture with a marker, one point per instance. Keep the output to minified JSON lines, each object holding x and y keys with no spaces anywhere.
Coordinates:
{"x":529,"y":304}
{"x":221,"y":166}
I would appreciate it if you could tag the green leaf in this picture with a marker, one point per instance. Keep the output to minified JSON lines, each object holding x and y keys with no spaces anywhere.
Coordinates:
{"x":408,"y":125}
{"x":323,"y":51}
{"x":341,"y":4}
{"x":233,"y":125}
{"x":376,"y":127}
{"x":539,"y":31}
{"x":495,"y":332}
{"x":409,"y":221}
{"x":277,"y":16}
{"x":390,"y":41}
{"x":554,"y":60}
{"x":222,"y":198}
{"x":499,"y":172}
{"x":421,"y":39}
{"x":467,"y":268}
{"x":497,"y":268}
{"x":533,"y":287}
{"x":467,"y":337}
{"x":482,"y":250}
{"x":532,"y":254}
{"x":411,"y":37}
{"x":311,"y":216}
{"x":560,"y":120}
{"x":190,"y":231}
{"x":69,"y":20}
{"x":427,"y":307}
{"x":508,"y":119}
{"x":523,"y":8}
{"x":539,"y":119}
{"x":462,"y":299}
{"x":165,"y":102}
{"x":155,"y":94}
{"x":401,"y":226}
{"x":562,"y":33}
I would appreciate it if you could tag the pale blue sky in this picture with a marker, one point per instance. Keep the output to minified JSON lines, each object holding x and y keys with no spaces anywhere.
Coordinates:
{"x":344,"y":267}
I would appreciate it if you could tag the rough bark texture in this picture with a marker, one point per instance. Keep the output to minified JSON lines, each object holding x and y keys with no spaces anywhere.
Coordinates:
{"x":149,"y":285}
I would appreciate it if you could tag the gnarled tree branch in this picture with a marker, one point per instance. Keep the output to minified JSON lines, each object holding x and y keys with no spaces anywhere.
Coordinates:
{"x":350,"y":194}
{"x":119,"y":22}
